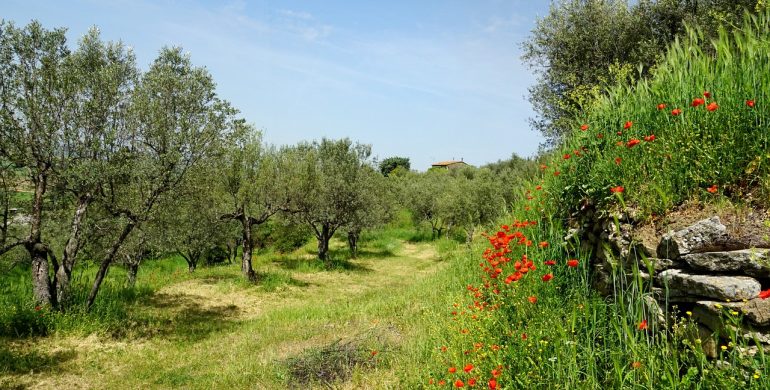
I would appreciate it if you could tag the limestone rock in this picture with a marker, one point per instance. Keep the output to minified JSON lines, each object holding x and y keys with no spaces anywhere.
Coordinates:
{"x":719,"y":287}
{"x":702,"y":236}
{"x":757,"y":311}
{"x":754,"y":262}
{"x":657,"y":264}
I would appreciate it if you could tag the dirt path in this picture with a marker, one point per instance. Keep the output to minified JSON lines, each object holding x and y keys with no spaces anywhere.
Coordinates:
{"x":216,"y":332}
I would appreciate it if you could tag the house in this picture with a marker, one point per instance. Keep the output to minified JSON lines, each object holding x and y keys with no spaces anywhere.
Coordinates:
{"x":450,"y":164}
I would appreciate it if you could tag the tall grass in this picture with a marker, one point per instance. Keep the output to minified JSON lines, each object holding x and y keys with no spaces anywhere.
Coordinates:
{"x":571,"y":337}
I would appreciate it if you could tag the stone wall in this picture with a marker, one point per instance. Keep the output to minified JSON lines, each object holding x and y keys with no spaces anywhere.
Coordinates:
{"x":702,"y":271}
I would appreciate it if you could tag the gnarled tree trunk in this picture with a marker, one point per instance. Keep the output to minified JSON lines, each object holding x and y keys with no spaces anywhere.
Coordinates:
{"x":246,"y":267}
{"x":353,"y":242}
{"x":64,"y":271}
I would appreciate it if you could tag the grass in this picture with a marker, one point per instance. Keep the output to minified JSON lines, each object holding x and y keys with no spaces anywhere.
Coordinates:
{"x":302,"y":325}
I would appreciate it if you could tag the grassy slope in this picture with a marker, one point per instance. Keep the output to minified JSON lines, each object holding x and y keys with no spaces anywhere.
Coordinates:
{"x":210,"y":329}
{"x":571,"y":338}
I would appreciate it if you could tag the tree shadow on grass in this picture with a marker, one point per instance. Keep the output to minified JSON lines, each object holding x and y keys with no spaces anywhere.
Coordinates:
{"x":14,"y":361}
{"x":178,"y":317}
{"x":314,"y":264}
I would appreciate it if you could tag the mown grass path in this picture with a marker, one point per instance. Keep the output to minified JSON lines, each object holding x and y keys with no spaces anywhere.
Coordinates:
{"x":302,"y":326}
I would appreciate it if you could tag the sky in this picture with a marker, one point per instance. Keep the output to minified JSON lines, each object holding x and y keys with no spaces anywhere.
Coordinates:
{"x":427,"y":80}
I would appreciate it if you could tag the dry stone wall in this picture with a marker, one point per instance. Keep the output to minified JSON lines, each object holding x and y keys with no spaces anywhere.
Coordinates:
{"x":700,"y":271}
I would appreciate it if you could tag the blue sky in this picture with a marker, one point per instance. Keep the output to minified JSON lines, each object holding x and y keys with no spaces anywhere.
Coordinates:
{"x":428,"y":80}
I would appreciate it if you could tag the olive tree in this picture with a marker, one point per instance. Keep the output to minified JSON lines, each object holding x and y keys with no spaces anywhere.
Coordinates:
{"x":61,"y":115}
{"x":330,"y":190}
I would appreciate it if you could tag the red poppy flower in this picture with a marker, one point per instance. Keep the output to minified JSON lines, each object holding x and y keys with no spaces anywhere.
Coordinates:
{"x":712,"y":106}
{"x":547,"y":277}
{"x":496,"y":373}
{"x":550,"y":262}
{"x":532,"y":299}
{"x":472,"y":382}
{"x":765,"y":294}
{"x":643,"y":325}
{"x":543,"y":167}
{"x":618,"y":160}
{"x":523,"y":337}
{"x":572,"y":263}
{"x":539,"y":187}
{"x":584,"y":127}
{"x":452,"y":370}
{"x":632,"y":142}
{"x":650,"y":138}
{"x":38,"y":308}
{"x":459,"y":383}
{"x":567,"y":156}
{"x":492,"y":384}
{"x":706,"y":94}
{"x":636,"y":365}
{"x":661,"y":106}
{"x":697,"y":102}
{"x":628,"y":125}
{"x":676,"y":112}
{"x":441,"y":382}
{"x":750,"y":103}
{"x":468,"y":367}
{"x":543,"y":244}
{"x":712,"y":189}
{"x":617,"y":190}
{"x":556,"y":173}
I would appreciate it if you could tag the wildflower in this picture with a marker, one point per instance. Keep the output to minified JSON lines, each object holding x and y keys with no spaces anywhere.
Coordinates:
{"x":697,"y":102}
{"x":567,"y":156}
{"x":374,"y":353}
{"x":712,"y":189}
{"x":618,"y":160}
{"x":600,"y":135}
{"x":750,"y":103}
{"x":543,"y":167}
{"x":689,"y":313}
{"x":706,"y":94}
{"x":547,"y":277}
{"x":550,"y":262}
{"x":661,"y":106}
{"x":676,"y":112}
{"x":556,"y":173}
{"x":472,"y":382}
{"x":628,"y":125}
{"x":584,"y":127}
{"x":443,"y":348}
{"x":636,"y":365}
{"x":764,"y":294}
{"x":539,"y":187}
{"x":633,"y":142}
{"x":452,"y":370}
{"x":712,"y":106}
{"x":543,"y":244}
{"x":468,"y":367}
{"x":496,"y":373}
{"x":650,"y":138}
{"x":724,"y":347}
{"x":492,"y":384}
{"x":523,"y":337}
{"x":441,"y":382}
{"x":572,"y":263}
{"x":532,"y":299}
{"x":38,"y":308}
{"x":617,"y":190}
{"x":643,"y":325}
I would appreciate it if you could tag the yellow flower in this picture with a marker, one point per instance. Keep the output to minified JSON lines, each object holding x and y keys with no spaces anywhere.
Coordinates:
{"x":733,"y":312}
{"x":718,"y":306}
{"x":724,"y":347}
{"x":689,"y":313}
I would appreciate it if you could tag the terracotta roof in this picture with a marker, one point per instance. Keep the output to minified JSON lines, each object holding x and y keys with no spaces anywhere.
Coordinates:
{"x":449,"y":162}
